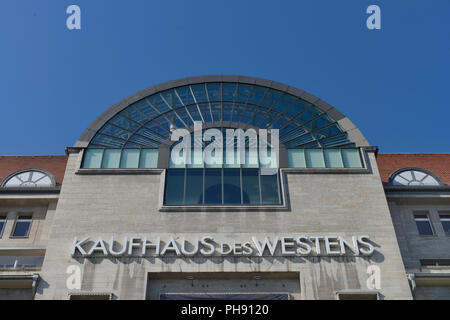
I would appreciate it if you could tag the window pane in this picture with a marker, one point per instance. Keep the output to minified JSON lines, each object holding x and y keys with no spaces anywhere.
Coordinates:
{"x":180,"y":156}
{"x":423,"y":224}
{"x":296,"y":158}
{"x":22,"y":227}
{"x":251,"y":158}
{"x":149,"y":158}
{"x":196,"y":159}
{"x":231,"y":160}
{"x":213,"y":186}
{"x":351,"y":158}
{"x":231,"y":186}
{"x":250,"y":186}
{"x":445,"y":220}
{"x":194,"y":186}
{"x":92,"y":158}
{"x":130,"y":158}
{"x":111,"y":158}
{"x":269,"y":189}
{"x":174,"y":187}
{"x":2,"y":224}
{"x":333,"y":158}
{"x":314,"y":158}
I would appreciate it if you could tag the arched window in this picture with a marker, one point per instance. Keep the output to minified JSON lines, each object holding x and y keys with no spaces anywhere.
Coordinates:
{"x":31,"y":178}
{"x":413,"y":177}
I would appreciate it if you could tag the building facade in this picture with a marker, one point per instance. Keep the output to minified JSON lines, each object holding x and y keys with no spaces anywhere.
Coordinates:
{"x":139,"y":214}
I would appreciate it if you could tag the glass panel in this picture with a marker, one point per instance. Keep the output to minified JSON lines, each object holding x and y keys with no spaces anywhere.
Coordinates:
{"x":296,"y":158}
{"x":22,"y":227}
{"x":149,"y":158}
{"x":424,"y":227}
{"x":250,"y":186}
{"x":194,"y":186}
{"x":314,"y":158}
{"x":130,"y":158}
{"x":251,"y":158}
{"x":174,"y":192}
{"x":92,"y":158}
{"x":351,"y":158}
{"x":2,"y":224}
{"x":213,"y":186}
{"x":445,"y":220}
{"x":196,"y":159}
{"x":333,"y":158}
{"x":181,"y":155}
{"x":231,"y":160}
{"x":269,"y":189}
{"x":111,"y":158}
{"x":231,"y":186}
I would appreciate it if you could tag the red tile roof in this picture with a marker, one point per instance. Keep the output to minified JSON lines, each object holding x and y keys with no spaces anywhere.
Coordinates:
{"x":56,"y":165}
{"x":437,"y":163}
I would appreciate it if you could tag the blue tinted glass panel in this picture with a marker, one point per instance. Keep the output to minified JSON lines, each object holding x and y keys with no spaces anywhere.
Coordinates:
{"x":296,"y":158}
{"x":216,"y":112}
{"x":194,"y":186}
{"x":185,"y":95}
{"x":199,"y":93}
{"x":205,"y":110}
{"x":115,"y":131}
{"x":174,"y":192}
{"x":213,"y":91}
{"x":125,"y":123}
{"x":213,"y":186}
{"x":228,"y":91}
{"x":269,"y":189}
{"x":193,"y":110}
{"x":314,"y":158}
{"x":22,"y":227}
{"x":333,"y":158}
{"x":111,"y":159}
{"x":146,"y":108}
{"x":171,"y":99}
{"x":250,"y":186}
{"x":226,"y":109}
{"x":243,"y":92}
{"x":92,"y":158}
{"x":130,"y":158}
{"x":231,"y":186}
{"x":134,"y":114}
{"x":257,"y":95}
{"x":2,"y":224}
{"x":351,"y":158}
{"x":151,"y":135}
{"x":148,"y":158}
{"x":158,"y":103}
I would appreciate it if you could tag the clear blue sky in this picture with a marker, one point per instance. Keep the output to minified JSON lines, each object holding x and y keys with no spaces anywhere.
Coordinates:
{"x":394,"y":84}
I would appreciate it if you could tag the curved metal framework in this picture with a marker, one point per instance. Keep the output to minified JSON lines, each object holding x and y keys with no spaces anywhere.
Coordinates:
{"x":146,"y":119}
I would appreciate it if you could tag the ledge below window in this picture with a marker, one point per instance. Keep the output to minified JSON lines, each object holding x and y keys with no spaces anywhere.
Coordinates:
{"x":221,"y":208}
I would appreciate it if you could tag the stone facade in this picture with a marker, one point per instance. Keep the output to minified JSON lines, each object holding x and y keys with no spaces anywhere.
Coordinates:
{"x":128,"y":204}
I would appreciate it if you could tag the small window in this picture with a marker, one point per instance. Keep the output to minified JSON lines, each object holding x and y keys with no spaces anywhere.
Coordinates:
{"x":22,"y":226}
{"x":445,"y":221}
{"x":423,"y":224}
{"x":2,"y":223}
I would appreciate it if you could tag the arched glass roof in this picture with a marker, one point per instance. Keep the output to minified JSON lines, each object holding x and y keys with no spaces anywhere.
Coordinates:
{"x":148,"y":122}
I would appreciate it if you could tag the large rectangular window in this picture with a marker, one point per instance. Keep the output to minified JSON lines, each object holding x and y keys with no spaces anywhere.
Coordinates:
{"x":221,"y":187}
{"x":445,"y":221}
{"x":423,"y":224}
{"x":22,"y":226}
{"x":174,"y":193}
{"x":194,"y":186}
